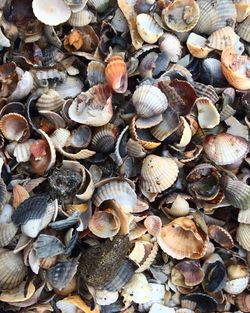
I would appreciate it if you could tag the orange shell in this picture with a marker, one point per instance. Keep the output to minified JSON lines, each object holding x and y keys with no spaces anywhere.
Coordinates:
{"x":116,"y":74}
{"x":236,"y":68}
{"x":19,"y":195}
{"x":183,"y":239}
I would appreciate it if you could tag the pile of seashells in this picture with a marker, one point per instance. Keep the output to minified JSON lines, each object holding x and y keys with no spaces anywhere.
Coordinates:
{"x":125,"y":177}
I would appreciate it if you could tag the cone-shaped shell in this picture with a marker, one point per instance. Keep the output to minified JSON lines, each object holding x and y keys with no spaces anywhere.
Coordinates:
{"x":14,"y":127}
{"x":158,"y":173}
{"x":48,"y":11}
{"x":148,"y":29}
{"x":243,"y":236}
{"x":225,"y":148}
{"x":183,"y":239}
{"x":243,"y":29}
{"x":51,"y":100}
{"x":215,"y":15}
{"x":181,"y":16}
{"x":235,"y":68}
{"x":196,"y":45}
{"x":116,"y":74}
{"x":149,"y":101}
{"x":12,"y":269}
{"x":208,"y":116}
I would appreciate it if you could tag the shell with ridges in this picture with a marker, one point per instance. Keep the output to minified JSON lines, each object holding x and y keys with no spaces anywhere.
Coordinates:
{"x":104,"y":138}
{"x":22,"y":151}
{"x":81,"y":18}
{"x":172,"y":45}
{"x":50,"y":100}
{"x":116,"y":74}
{"x":148,"y":29}
{"x":19,"y":195}
{"x":243,"y":235}
{"x":7,"y":233}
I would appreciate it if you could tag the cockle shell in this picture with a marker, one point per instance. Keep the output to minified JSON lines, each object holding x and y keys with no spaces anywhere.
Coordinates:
{"x":242,"y":29}
{"x":148,"y":29}
{"x":221,"y":236}
{"x":116,"y":74}
{"x":104,"y":138}
{"x":208,"y":116}
{"x":50,"y":100}
{"x":172,"y":45}
{"x":15,"y":127}
{"x":243,"y":301}
{"x":196,"y":45}
{"x":95,"y":73}
{"x":153,"y":224}
{"x":187,"y":274}
{"x":243,"y":235}
{"x":23,"y":88}
{"x":81,"y":18}
{"x":22,"y":151}
{"x":158,"y":173}
{"x":119,"y":21}
{"x":7,"y":233}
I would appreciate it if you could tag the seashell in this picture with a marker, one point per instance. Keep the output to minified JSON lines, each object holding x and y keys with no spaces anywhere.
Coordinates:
{"x":215,"y":15}
{"x":147,"y":28}
{"x":52,"y":36}
{"x":128,"y":10}
{"x":144,"y":123}
{"x":235,"y":68}
{"x":4,"y":41}
{"x":199,"y":301}
{"x":3,"y":199}
{"x":12,"y":270}
{"x":60,"y":137}
{"x":47,"y":12}
{"x":236,"y":128}
{"x":18,"y":294}
{"x":14,"y":127}
{"x":105,"y":297}
{"x":244,"y":216}
{"x":224,"y":37}
{"x":95,"y":73}
{"x":149,"y":101}
{"x":181,"y":16}
{"x":187,"y":273}
{"x":99,"y":6}
{"x":50,"y":100}
{"x":157,"y":307}
{"x":183,"y":239}
{"x":66,"y":223}
{"x":80,"y":137}
{"x":237,"y":192}
{"x":212,"y":73}
{"x":186,"y":134}
{"x":236,"y":271}
{"x":196,"y":45}
{"x":153,"y":224}
{"x":104,"y":138}
{"x":81,"y":18}
{"x":119,"y":190}
{"x":137,"y":289}
{"x":119,"y":22}
{"x":242,"y":29}
{"x":135,"y":149}
{"x":138,"y":252}
{"x":172,"y":45}
{"x":151,"y":251}
{"x":96,"y":102}
{"x":7,"y":233}
{"x":243,"y":236}
{"x":47,"y":246}
{"x":62,"y":273}
{"x":68,"y":289}
{"x":236,"y":286}
{"x":179,"y":205}
{"x":71,"y":87}
{"x":158,"y":173}
{"x":46,"y":263}
{"x":104,"y":224}
{"x":215,"y":277}
{"x":242,"y":301}
{"x":225,"y":148}
{"x":116,"y":74}
{"x":221,"y":236}
{"x":73,"y":304}
{"x":23,"y":88}
{"x":206,"y":91}
{"x":208,"y":116}
{"x":22,"y":151}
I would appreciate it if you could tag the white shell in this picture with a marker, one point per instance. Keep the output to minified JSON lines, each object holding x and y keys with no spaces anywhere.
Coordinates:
{"x":148,"y":29}
{"x":208,"y":116}
{"x":22,"y":151}
{"x":81,"y":18}
{"x":236,"y":286}
{"x":172,"y":45}
{"x":105,"y":297}
{"x":137,"y":289}
{"x":160,"y":308}
{"x":23,"y":88}
{"x":71,"y":87}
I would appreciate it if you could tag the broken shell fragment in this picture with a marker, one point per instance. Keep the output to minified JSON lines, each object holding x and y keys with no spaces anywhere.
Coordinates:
{"x":208,"y":116}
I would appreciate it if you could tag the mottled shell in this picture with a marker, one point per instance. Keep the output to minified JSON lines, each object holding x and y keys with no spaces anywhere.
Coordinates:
{"x":181,"y":16}
{"x":149,"y":101}
{"x":95,"y":73}
{"x":208,"y":116}
{"x":148,"y":29}
{"x":158,"y":173}
{"x":116,"y":74}
{"x":236,"y":286}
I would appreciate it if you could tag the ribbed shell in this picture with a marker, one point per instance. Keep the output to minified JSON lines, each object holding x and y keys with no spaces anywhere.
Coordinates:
{"x":22,"y":151}
{"x":99,"y":5}
{"x":7,"y":233}
{"x":196,"y":45}
{"x":225,"y":148}
{"x":81,"y":18}
{"x":242,"y":29}
{"x":95,"y":73}
{"x":158,"y":173}
{"x":119,"y":22}
{"x":116,"y":74}
{"x":148,"y":29}
{"x":172,"y":45}
{"x":12,"y":269}
{"x":51,"y":100}
{"x":71,"y":87}
{"x":149,"y":101}
{"x":244,"y":216}
{"x":104,"y":138}
{"x":214,"y":15}
{"x":243,"y":236}
{"x":206,"y":91}
{"x":3,"y":193}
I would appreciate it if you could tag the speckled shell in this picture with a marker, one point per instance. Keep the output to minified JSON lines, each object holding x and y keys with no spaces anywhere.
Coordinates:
{"x":148,"y":29}
{"x":104,"y":138}
{"x":236,"y":286}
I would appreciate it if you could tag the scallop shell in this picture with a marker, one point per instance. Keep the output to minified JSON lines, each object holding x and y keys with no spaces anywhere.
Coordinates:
{"x":50,"y":100}
{"x":116,"y":74}
{"x":153,"y":224}
{"x":206,"y":91}
{"x":81,"y":18}
{"x":183,"y":239}
{"x":242,"y":29}
{"x":196,"y":45}
{"x":7,"y":233}
{"x":71,"y":87}
{"x":158,"y":173}
{"x":181,"y":16}
{"x":104,"y":138}
{"x":225,"y":149}
{"x":149,"y":101}
{"x":208,"y":116}
{"x":47,"y":12}
{"x":12,"y":271}
{"x":60,"y":137}
{"x":236,"y":286}
{"x":148,"y":29}
{"x":135,"y":149}
{"x":172,"y":45}
{"x":47,"y":246}
{"x":14,"y":127}
{"x":243,"y":235}
{"x":95,"y":73}
{"x":93,"y":108}
{"x":235,"y":68}
{"x":243,"y":301}
{"x":215,"y":15}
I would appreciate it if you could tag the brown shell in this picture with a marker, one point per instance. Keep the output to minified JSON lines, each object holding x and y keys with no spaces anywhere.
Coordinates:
{"x":15,"y":127}
{"x":221,"y":236}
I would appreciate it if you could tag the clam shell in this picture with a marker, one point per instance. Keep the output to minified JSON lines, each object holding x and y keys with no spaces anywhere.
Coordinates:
{"x":181,"y":16}
{"x":23,"y":88}
{"x":243,"y":301}
{"x":221,"y":236}
{"x":225,"y":148}
{"x":60,"y":137}
{"x":236,"y":128}
{"x":235,"y":68}
{"x":104,"y":138}
{"x":208,"y":116}
{"x":105,"y":297}
{"x":12,"y":271}
{"x":215,"y":15}
{"x":62,"y":273}
{"x":81,"y":18}
{"x":18,"y":294}
{"x":244,"y":216}
{"x":119,"y":22}
{"x":236,"y":286}
{"x":242,"y":29}
{"x":172,"y":45}
{"x":149,"y":101}
{"x":243,"y":234}
{"x":71,"y":87}
{"x":95,"y":73}
{"x":22,"y":151}
{"x":135,"y":149}
{"x":236,"y":271}
{"x":47,"y":246}
{"x":237,"y":192}
{"x":187,"y":273}
{"x":196,"y":45}
{"x":50,"y":100}
{"x":138,"y":252}
{"x":179,"y":205}
{"x":7,"y":233}
{"x":14,"y":127}
{"x":81,"y":137}
{"x":224,"y":37}
{"x":116,"y":74}
{"x":99,"y":5}
{"x":153,"y":224}
{"x":148,"y":29}
{"x":158,"y":173}
{"x":47,"y":12}
{"x":182,"y":239}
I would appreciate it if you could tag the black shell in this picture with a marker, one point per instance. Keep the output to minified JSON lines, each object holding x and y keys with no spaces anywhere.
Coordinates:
{"x":31,"y":208}
{"x":204,"y":303}
{"x":215,"y":277}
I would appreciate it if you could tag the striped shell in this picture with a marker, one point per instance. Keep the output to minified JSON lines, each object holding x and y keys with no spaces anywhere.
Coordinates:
{"x":50,"y":100}
{"x":242,"y":29}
